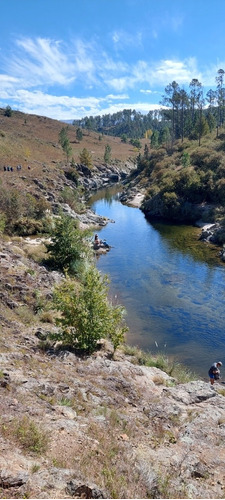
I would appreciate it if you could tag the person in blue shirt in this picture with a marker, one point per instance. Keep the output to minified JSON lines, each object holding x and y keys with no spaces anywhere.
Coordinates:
{"x":214,"y":372}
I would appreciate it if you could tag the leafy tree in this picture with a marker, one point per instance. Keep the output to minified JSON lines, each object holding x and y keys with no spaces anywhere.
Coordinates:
{"x":79,"y":134}
{"x":185,"y":159}
{"x":124,"y":138}
{"x":155,"y":139}
{"x":171,"y":99}
{"x":8,"y":111}
{"x":107,"y":155}
{"x":65,"y":143}
{"x":86,"y":158}
{"x":136,"y":143}
{"x":68,"y":246}
{"x":86,"y":315}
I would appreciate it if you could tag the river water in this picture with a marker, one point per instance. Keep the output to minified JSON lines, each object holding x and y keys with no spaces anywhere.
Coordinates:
{"x":171,"y":284}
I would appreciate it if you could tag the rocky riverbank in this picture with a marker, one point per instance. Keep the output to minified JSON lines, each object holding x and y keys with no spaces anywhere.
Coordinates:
{"x":94,"y":427}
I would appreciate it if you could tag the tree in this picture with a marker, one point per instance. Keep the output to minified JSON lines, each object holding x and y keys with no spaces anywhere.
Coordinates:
{"x":107,"y":155}
{"x":79,"y":134}
{"x":86,"y":158}
{"x":195,"y":95}
{"x":155,"y":139}
{"x":68,"y":246}
{"x":8,"y":111}
{"x":124,"y":138}
{"x":171,"y":99}
{"x":65,"y":143}
{"x":220,"y":96}
{"x":86,"y":315}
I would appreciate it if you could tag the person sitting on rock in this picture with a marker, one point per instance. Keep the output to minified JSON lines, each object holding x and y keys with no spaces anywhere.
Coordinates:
{"x":97,"y":241}
{"x":214,"y":372}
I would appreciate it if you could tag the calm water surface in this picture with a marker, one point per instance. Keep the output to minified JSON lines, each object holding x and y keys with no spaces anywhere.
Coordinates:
{"x":171,"y":285}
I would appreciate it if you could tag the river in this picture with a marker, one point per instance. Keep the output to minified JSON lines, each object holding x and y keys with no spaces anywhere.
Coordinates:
{"x":171,"y":284}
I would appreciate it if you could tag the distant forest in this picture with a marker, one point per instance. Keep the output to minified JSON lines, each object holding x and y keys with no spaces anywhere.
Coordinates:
{"x":187,"y":115}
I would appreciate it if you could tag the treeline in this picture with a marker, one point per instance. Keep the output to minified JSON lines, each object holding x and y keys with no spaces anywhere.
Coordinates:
{"x":189,"y":114}
{"x":127,"y":123}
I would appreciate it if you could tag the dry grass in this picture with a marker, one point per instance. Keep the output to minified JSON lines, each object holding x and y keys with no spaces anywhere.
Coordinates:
{"x":25,"y":432}
{"x":33,"y":140}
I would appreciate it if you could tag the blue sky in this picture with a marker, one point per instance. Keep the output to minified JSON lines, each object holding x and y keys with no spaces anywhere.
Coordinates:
{"x":73,"y":58}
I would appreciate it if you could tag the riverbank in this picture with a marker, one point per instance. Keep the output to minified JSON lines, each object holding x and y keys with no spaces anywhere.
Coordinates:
{"x":95,"y":426}
{"x":98,"y":426}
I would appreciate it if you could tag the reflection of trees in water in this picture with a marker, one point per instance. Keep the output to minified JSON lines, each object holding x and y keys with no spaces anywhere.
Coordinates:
{"x":185,"y":239}
{"x":109,"y":194}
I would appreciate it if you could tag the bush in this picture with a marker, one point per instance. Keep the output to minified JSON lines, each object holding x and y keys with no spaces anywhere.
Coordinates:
{"x":27,"y":227}
{"x":68,"y":246}
{"x":86,"y":314}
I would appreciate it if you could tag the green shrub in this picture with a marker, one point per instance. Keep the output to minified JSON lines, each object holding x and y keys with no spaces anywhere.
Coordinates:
{"x":86,"y":315}
{"x":68,"y":245}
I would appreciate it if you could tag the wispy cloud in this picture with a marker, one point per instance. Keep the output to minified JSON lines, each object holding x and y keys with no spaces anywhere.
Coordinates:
{"x":41,"y":62}
{"x":39,"y":69}
{"x":123,"y":39}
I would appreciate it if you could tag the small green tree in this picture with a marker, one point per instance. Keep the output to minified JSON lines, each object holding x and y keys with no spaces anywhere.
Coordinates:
{"x":8,"y":111}
{"x":79,"y":134}
{"x":155,"y":139}
{"x":124,"y":138}
{"x":65,"y":143}
{"x":107,"y":155}
{"x":86,"y":158}
{"x":185,"y":159}
{"x":68,"y":245}
{"x":86,"y":315}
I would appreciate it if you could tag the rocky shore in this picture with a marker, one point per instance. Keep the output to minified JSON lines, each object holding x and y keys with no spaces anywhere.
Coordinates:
{"x":99,"y":426}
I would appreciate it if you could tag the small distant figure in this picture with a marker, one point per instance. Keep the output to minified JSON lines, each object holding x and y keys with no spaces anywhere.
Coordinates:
{"x":214,"y":372}
{"x":28,"y":167}
{"x":5,"y":169}
{"x":11,"y":169}
{"x":97,"y":241}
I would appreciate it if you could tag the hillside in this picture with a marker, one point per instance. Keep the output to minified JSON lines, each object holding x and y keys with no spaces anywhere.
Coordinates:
{"x":126,"y":425}
{"x":95,"y":426}
{"x":34,"y":140}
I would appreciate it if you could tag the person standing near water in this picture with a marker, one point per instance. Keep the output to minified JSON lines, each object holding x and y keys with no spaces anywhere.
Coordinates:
{"x":214,"y":372}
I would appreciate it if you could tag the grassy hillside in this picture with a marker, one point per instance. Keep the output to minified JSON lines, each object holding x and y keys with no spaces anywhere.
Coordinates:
{"x":186,"y":182}
{"x":34,"y":140}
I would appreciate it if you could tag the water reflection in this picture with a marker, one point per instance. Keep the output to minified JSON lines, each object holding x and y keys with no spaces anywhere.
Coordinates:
{"x":171,"y":284}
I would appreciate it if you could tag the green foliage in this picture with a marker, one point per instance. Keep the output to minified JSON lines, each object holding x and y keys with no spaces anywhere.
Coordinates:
{"x":72,"y":174}
{"x":65,"y":143}
{"x":185,"y":159}
{"x":136,"y":143}
{"x":107,"y":155}
{"x":2,"y":222}
{"x":155,"y":139}
{"x":124,"y":138}
{"x":86,"y":315}
{"x":68,"y":246}
{"x":86,"y":158}
{"x":72,"y":198}
{"x":30,"y":436}
{"x":79,"y":134}
{"x":27,"y":227}
{"x":8,"y":111}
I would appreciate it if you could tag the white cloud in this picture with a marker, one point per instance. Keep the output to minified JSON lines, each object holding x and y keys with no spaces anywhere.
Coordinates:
{"x":40,"y":62}
{"x":123,"y":39}
{"x":40,"y":69}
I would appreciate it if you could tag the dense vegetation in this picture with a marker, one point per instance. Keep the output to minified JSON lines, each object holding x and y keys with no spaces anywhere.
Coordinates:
{"x":185,"y":183}
{"x":183,"y":114}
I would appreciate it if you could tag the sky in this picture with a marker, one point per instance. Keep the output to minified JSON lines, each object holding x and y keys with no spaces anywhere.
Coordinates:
{"x":66,"y":59}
